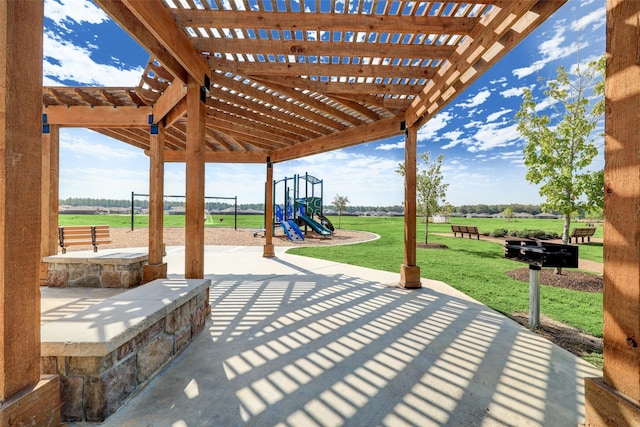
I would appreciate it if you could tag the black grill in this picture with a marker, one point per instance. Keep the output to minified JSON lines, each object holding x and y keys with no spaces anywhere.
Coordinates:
{"x":542,"y":254}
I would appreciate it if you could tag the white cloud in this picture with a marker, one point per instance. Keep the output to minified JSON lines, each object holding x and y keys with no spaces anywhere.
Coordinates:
{"x":429,"y":131}
{"x":478,"y":99}
{"x":73,"y":10}
{"x":391,"y":146}
{"x":550,"y":50}
{"x":454,"y":137}
{"x":66,"y":61}
{"x":594,"y":20}
{"x":515,"y":91}
{"x":495,"y":116}
{"x":494,"y":135}
{"x":544,"y":104}
{"x":80,"y":147}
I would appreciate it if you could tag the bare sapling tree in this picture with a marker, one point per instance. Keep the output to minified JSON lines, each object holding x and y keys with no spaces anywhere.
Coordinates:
{"x":340,"y":202}
{"x":430,"y":188}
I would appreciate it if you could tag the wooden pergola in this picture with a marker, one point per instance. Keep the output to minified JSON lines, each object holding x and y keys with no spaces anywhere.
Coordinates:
{"x":265,"y":82}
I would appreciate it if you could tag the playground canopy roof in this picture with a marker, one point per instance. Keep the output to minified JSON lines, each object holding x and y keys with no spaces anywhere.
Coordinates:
{"x":288,"y":79}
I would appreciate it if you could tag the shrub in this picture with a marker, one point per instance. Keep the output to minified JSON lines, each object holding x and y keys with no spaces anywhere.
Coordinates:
{"x":500,"y":232}
{"x":533,"y":234}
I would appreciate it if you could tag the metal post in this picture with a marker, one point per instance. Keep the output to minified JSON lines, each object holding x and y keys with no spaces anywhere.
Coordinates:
{"x":235,"y":213}
{"x":132,"y":208}
{"x":534,"y":296}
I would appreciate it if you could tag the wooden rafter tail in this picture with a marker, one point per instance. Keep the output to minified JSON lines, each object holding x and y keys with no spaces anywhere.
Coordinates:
{"x":313,"y":102}
{"x":366,"y":133}
{"x":125,"y":136}
{"x":481,"y":50}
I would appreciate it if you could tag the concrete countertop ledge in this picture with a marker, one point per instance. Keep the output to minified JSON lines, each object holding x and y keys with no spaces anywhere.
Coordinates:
{"x":105,"y":326}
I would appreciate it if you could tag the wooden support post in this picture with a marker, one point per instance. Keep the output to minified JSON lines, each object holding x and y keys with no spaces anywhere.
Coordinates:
{"x":49,"y":195}
{"x":269,"y":250}
{"x":409,"y":271}
{"x":194,"y":220}
{"x":156,"y":269}
{"x":24,"y":398}
{"x":615,"y":400}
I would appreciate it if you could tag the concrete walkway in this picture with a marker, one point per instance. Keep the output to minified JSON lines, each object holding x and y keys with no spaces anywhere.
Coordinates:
{"x":295,"y":341}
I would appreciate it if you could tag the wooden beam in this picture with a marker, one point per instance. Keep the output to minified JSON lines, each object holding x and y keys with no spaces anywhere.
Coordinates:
{"x":268,"y":250}
{"x":156,"y":268}
{"x":261,"y":103}
{"x":169,"y":100}
{"x":357,"y":135}
{"x":409,"y":270}
{"x":194,"y":216}
{"x":217,"y":156}
{"x":352,"y":87}
{"x":218,"y":105}
{"x":256,"y":68}
{"x":98,"y":117}
{"x":373,"y":23}
{"x":617,"y":400}
{"x":272,"y":98}
{"x":489,"y":41}
{"x":130,"y":23}
{"x":127,"y":135}
{"x":26,"y":397}
{"x":50,"y":190}
{"x":176,"y":113}
{"x":153,"y":15}
{"x":325,"y":106}
{"x":317,"y":48}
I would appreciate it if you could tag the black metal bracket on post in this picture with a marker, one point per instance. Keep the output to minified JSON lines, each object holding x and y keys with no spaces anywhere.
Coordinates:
{"x":537,"y":255}
{"x":45,"y":126}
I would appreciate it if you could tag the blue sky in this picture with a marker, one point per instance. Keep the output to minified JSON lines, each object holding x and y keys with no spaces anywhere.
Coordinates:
{"x":476,"y":134}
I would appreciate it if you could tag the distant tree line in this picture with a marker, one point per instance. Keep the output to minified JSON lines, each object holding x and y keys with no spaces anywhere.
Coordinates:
{"x":494,"y":209}
{"x":86,"y":201}
{"x":220,"y":205}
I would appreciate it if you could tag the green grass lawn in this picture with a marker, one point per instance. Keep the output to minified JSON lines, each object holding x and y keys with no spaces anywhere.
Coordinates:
{"x":474,"y":267}
{"x":124,"y":221}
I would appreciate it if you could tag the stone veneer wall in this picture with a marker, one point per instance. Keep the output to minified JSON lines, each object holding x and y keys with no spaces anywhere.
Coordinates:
{"x":94,"y":387}
{"x":112,"y":272}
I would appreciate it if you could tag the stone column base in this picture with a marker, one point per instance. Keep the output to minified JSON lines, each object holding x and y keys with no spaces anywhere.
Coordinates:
{"x":606,"y":406}
{"x":410,"y":276}
{"x":269,"y":251}
{"x":151,"y":272}
{"x":36,"y":406}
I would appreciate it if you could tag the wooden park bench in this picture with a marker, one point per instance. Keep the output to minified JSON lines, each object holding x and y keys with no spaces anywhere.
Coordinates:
{"x":81,"y":235}
{"x":582,"y":233}
{"x":462,"y":229}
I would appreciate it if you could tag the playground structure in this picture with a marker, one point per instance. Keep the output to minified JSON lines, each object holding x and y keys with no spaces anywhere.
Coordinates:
{"x":208,"y":204}
{"x":301,"y":207}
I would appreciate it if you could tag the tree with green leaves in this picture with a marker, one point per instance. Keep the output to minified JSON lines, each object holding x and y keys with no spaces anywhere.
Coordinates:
{"x":340,"y":202}
{"x":560,"y":147}
{"x":508,"y":213}
{"x":430,"y":188}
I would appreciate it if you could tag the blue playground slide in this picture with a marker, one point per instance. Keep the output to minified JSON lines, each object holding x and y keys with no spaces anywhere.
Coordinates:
{"x":315,"y":226}
{"x":292,"y":231}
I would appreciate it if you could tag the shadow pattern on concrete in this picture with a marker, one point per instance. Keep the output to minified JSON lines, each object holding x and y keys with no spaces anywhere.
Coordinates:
{"x":341,"y":349}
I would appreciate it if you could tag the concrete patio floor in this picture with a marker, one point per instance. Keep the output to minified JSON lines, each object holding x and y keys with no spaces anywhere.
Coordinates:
{"x":295,"y":341}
